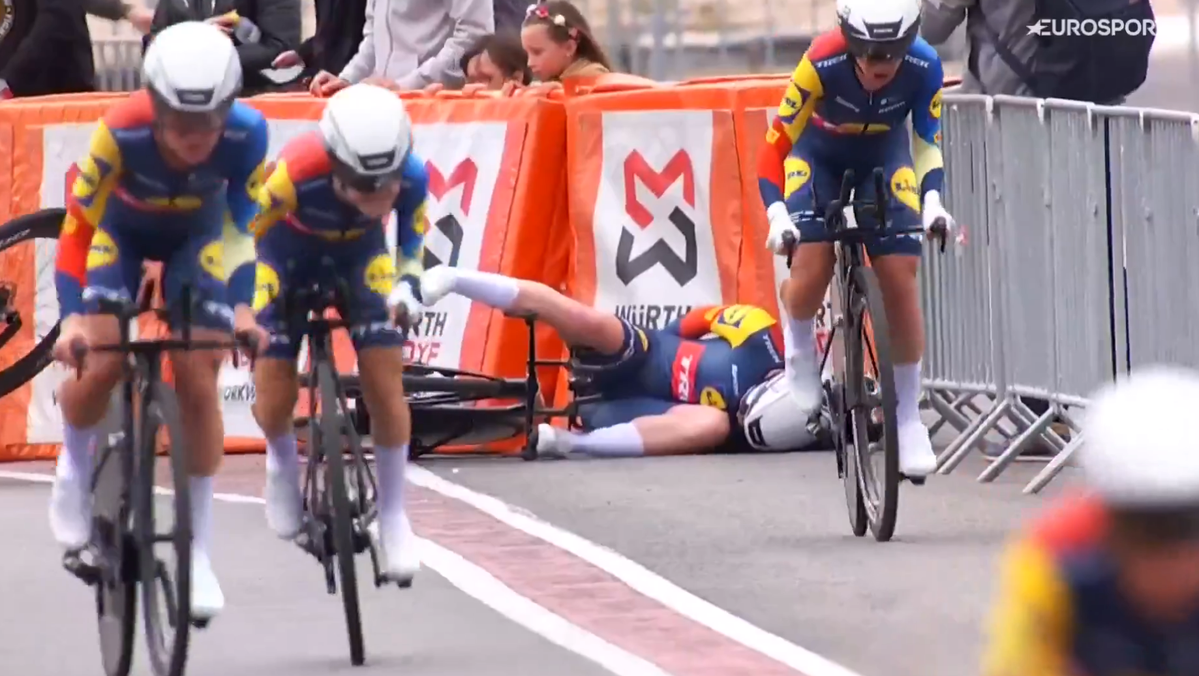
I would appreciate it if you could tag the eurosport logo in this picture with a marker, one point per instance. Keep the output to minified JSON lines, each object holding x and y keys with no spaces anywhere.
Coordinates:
{"x":682,"y":268}
{"x":1092,"y":27}
{"x":464,"y":174}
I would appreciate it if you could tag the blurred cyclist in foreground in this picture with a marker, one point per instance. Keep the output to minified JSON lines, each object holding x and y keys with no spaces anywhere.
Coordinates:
{"x":1106,"y":583}
{"x":171,"y":175}
{"x":324,"y":209}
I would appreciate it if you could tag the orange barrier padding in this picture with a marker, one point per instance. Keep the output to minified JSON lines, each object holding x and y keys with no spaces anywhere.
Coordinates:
{"x":634,"y":197}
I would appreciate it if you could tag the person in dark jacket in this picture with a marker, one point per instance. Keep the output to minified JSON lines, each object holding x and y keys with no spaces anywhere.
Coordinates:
{"x":45,"y":47}
{"x":117,"y":10}
{"x":262,"y":30}
{"x":339,"y":25}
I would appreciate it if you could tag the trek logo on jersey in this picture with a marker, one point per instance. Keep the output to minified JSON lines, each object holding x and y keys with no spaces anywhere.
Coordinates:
{"x":682,"y":268}
{"x":465,"y":174}
{"x":682,"y":374}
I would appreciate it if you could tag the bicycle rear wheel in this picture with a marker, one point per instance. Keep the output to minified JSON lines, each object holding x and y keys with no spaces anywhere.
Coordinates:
{"x":166,"y":594}
{"x":341,"y":518}
{"x":116,"y":590}
{"x":25,"y":359}
{"x":869,"y":358}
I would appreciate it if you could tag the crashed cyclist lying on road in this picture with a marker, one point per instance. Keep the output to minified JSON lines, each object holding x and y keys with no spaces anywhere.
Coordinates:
{"x":672,"y":391}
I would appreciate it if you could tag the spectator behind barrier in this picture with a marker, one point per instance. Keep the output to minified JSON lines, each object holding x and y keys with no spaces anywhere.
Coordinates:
{"x":410,"y":44}
{"x":494,"y":62}
{"x":45,"y":47}
{"x":260,"y":29}
{"x":560,"y":44}
{"x":339,"y":25}
{"x":116,"y":10}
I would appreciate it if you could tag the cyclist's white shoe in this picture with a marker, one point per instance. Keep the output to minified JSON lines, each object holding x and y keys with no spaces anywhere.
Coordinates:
{"x":207,"y":598}
{"x":397,"y":545}
{"x":550,"y":443}
{"x":916,"y":456}
{"x":803,"y":380}
{"x":71,"y":512}
{"x":284,"y":502}
{"x":436,"y":283}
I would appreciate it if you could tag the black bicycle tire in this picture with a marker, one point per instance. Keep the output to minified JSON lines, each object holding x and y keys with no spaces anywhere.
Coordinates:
{"x":852,"y":372}
{"x":43,"y":224}
{"x":161,"y":410}
{"x":882,"y":525}
{"x":115,"y":464}
{"x":340,"y":519}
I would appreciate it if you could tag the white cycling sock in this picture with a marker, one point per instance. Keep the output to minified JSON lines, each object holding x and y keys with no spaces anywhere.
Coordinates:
{"x":799,"y":337}
{"x":391,"y":464}
{"x":282,"y":456}
{"x":75,"y":459}
{"x":495,"y":290}
{"x":907,"y":392}
{"x":617,"y":441}
{"x":201,"y":503}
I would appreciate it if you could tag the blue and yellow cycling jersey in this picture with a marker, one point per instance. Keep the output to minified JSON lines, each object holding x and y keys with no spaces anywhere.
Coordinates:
{"x":299,"y":194}
{"x":125,"y":184}
{"x":1062,"y":611}
{"x":825,"y":99}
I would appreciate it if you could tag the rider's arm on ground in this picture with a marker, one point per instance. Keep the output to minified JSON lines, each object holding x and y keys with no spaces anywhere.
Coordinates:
{"x":245,"y":184}
{"x":362,"y":64}
{"x":1030,"y":621}
{"x":940,"y":18}
{"x":472,"y":20}
{"x":412,"y":222}
{"x":926,"y":122}
{"x":98,"y":173}
{"x":796,"y":108}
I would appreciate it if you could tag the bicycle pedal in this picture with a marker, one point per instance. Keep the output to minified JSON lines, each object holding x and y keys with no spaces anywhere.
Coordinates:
{"x":200,"y":622}
{"x":88,"y":573}
{"x":915,"y":480}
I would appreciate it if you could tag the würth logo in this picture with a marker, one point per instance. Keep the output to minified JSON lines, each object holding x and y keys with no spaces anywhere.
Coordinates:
{"x":683,"y":268}
{"x":464,"y":174}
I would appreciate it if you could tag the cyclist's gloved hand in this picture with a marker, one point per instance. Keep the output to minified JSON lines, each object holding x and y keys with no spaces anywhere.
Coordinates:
{"x":937,"y":220}
{"x":780,"y":222}
{"x":404,"y":301}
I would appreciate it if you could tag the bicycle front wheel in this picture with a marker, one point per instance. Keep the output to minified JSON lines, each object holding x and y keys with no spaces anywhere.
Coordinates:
{"x":116,"y":591}
{"x":22,"y":359}
{"x":870,"y":388}
{"x":166,"y":582}
{"x":341,"y":518}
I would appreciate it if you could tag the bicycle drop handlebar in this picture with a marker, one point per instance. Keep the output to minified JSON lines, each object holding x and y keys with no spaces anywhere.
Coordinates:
{"x":126,"y":311}
{"x":317,"y":298}
{"x":837,"y":225}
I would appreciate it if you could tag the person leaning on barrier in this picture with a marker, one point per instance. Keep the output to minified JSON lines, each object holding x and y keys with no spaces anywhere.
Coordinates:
{"x":339,"y":25}
{"x":410,"y":44}
{"x":1106,"y":581}
{"x":45,"y":47}
{"x":712,"y":375}
{"x":560,"y":44}
{"x":846,"y":108}
{"x":117,"y":10}
{"x":495,"y":62}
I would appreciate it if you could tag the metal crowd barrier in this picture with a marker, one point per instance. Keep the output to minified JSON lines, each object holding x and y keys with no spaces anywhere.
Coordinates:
{"x":1084,"y":226}
{"x":118,"y":63}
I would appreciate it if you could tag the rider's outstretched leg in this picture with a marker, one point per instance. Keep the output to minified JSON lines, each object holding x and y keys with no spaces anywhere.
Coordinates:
{"x":577,"y":324}
{"x":635,"y":427}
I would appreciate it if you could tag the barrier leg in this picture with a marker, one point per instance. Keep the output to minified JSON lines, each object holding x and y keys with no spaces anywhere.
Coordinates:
{"x":961,"y":446}
{"x":948,"y":410}
{"x":1014,"y":449}
{"x":1055,"y":466}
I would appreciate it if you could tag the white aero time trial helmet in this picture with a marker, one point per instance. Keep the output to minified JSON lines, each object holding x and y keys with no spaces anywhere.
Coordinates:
{"x":879,"y":29}
{"x":771,"y":419}
{"x":1141,"y":449}
{"x":193,"y":74}
{"x":368,"y":135}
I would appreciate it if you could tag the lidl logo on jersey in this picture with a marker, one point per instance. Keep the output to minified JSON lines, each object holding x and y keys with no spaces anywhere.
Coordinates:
{"x":682,"y":267}
{"x":903,"y":187}
{"x":934,"y":108}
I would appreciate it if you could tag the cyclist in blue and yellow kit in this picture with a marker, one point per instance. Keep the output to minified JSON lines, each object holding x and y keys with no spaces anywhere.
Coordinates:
{"x":170,"y":175}
{"x":685,"y":388}
{"x":323,"y":212}
{"x":845,"y":108}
